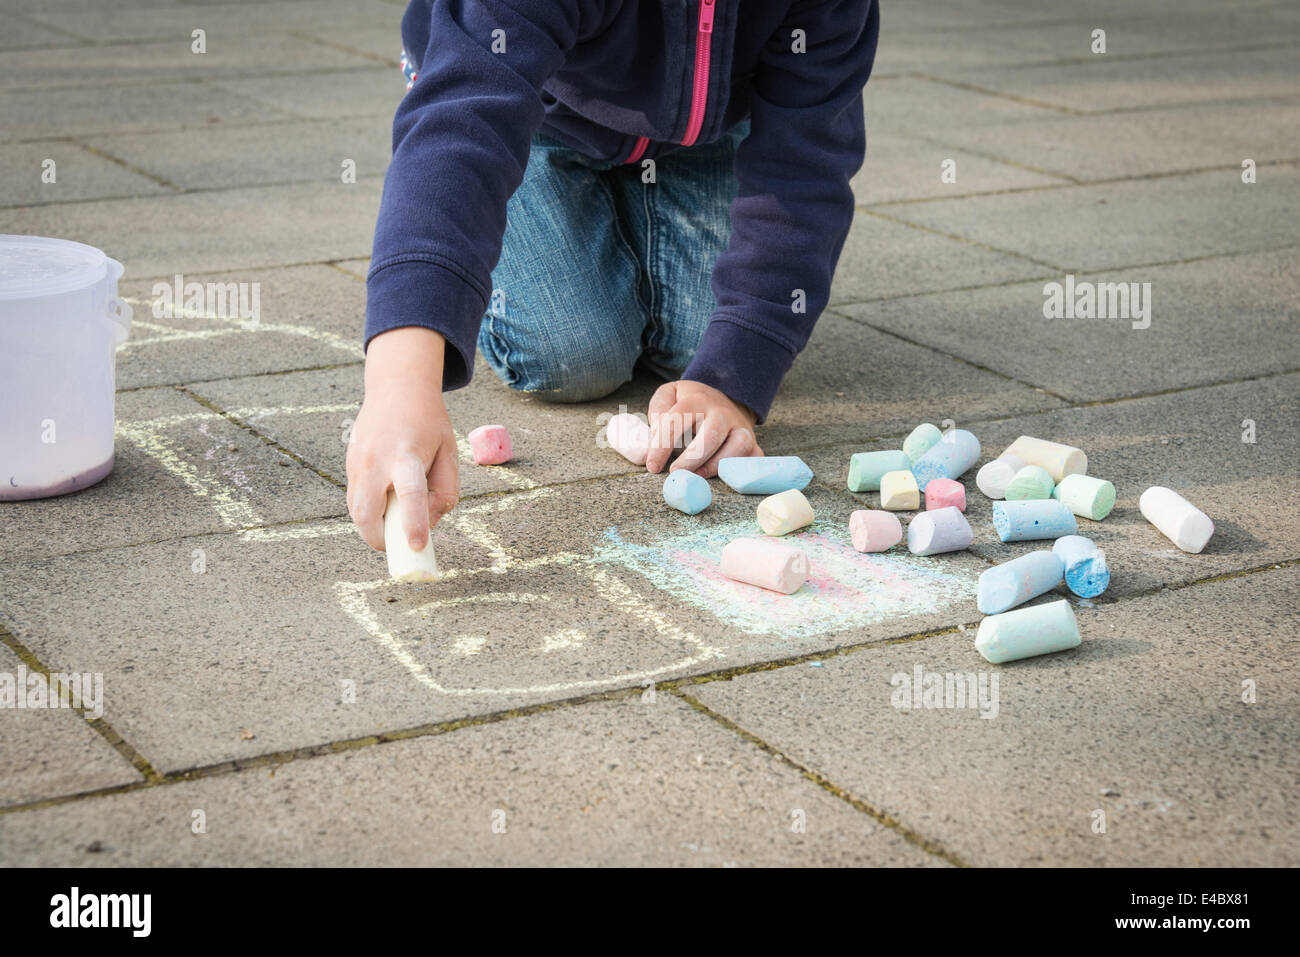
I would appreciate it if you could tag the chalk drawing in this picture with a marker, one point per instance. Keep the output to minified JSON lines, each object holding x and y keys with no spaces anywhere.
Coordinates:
{"x":233,"y":325}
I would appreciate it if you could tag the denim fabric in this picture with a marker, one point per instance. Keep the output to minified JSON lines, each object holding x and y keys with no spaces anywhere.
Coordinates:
{"x":600,"y":271}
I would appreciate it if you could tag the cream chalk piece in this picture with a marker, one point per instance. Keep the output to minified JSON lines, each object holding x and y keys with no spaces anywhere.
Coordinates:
{"x":994,"y":477}
{"x":942,"y":493}
{"x":687,"y":492}
{"x":764,"y":474}
{"x":938,"y":531}
{"x":765,"y":562}
{"x":955,"y":452}
{"x":1032,"y":520}
{"x":1086,"y":496}
{"x":1059,"y":460}
{"x":629,"y":437}
{"x":1031,"y":482}
{"x":921,"y":440}
{"x":784,"y":512}
{"x":1085,"y":569}
{"x":1015,"y":582}
{"x":1026,"y":632}
{"x":404,"y":564}
{"x":874,"y":531}
{"x":490,"y":445}
{"x":1177,"y":519}
{"x":867,"y":468}
{"x":898,"y":491}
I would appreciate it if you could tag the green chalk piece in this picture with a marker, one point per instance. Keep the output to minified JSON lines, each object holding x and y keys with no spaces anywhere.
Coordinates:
{"x":1026,"y":632}
{"x":921,"y":440}
{"x":1086,"y":496}
{"x":1030,"y":483}
{"x":866,"y":468}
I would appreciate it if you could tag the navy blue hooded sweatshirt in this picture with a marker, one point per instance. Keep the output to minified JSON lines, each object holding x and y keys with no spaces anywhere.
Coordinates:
{"x":622,"y":80}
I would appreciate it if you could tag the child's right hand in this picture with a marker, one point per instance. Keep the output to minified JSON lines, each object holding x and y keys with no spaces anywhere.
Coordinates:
{"x":402,"y":438}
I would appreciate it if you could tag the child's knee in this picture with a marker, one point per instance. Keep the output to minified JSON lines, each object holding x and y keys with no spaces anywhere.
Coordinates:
{"x":560,"y":369}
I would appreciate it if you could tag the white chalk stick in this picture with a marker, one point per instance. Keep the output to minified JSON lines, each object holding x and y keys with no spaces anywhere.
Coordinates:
{"x":784,"y":512}
{"x":1026,"y":632}
{"x":404,"y":564}
{"x":629,"y":437}
{"x":994,"y":477}
{"x":1177,"y":519}
{"x":939,"y":530}
{"x":1059,"y":460}
{"x":766,"y":563}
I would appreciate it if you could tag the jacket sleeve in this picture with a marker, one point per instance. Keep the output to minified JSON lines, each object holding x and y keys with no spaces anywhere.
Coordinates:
{"x":794,"y":205}
{"x":460,"y":145}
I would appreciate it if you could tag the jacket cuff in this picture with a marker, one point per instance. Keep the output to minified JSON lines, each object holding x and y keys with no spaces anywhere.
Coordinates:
{"x":744,"y":365}
{"x":418,"y":292}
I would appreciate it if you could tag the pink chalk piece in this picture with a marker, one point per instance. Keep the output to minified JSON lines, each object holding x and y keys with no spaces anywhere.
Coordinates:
{"x":874,"y":531}
{"x":490,"y":445}
{"x":766,"y":563}
{"x":629,"y":436}
{"x":942,"y":493}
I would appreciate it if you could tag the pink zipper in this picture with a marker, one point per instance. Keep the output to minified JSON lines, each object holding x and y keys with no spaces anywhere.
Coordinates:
{"x":638,"y":150}
{"x":700,"y":91}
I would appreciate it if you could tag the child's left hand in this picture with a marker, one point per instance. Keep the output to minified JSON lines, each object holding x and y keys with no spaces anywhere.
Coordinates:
{"x":720,"y":428}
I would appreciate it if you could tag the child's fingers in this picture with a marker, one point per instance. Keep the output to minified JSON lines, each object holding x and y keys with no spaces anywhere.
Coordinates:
{"x":366,"y":498}
{"x":411,"y":485}
{"x":444,"y":483}
{"x":709,"y":438}
{"x":739,"y":443}
{"x":662,"y":439}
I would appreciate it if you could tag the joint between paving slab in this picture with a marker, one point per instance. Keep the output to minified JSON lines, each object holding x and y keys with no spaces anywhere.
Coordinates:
{"x":103,"y":154}
{"x":250,"y":375}
{"x":929,"y":845}
{"x":961,"y":239}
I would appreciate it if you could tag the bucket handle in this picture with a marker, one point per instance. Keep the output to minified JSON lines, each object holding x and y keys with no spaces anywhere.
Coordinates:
{"x":117,"y":308}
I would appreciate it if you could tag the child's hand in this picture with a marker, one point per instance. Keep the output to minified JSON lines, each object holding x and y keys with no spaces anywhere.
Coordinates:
{"x":721,"y":428}
{"x":402,"y":438}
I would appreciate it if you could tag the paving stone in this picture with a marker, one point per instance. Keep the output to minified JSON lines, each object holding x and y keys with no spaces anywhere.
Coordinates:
{"x":381,"y":42}
{"x":924,"y":106}
{"x":21,"y":33}
{"x":175,"y":473}
{"x":1112,"y":225}
{"x":1149,"y":707}
{"x":357,"y":267}
{"x":284,"y":153}
{"x":1003,"y":328}
{"x":373,"y":92}
{"x":907,"y":167}
{"x":228,"y":230}
{"x":49,"y":751}
{"x":620,"y":783}
{"x":78,"y":174}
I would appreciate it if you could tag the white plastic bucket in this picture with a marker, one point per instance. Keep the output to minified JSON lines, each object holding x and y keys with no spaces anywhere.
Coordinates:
{"x":60,"y":324}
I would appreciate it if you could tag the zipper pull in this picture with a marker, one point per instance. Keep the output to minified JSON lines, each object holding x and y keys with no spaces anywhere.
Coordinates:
{"x":706,"y":16}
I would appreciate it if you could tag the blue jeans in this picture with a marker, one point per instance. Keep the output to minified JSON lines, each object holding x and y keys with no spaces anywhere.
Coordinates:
{"x":600,"y":271}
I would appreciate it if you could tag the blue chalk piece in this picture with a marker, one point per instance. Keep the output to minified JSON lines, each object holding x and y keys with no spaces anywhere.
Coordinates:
{"x":764,"y":474}
{"x":1015,"y":582}
{"x":1033,"y":519}
{"x":948,"y":458}
{"x":687,"y":492}
{"x":1086,"y":573}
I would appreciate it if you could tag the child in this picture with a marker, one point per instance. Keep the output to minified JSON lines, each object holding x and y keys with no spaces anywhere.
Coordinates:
{"x":579,"y":186}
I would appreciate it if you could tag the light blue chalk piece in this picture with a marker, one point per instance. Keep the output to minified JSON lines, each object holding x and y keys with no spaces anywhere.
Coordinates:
{"x":955,"y":452}
{"x":687,"y":492}
{"x":920,"y":441}
{"x":1015,"y":582}
{"x":815,"y":664}
{"x":1033,"y":519}
{"x":1086,"y":572}
{"x":866,"y":468}
{"x":1026,"y":632}
{"x":764,"y":474}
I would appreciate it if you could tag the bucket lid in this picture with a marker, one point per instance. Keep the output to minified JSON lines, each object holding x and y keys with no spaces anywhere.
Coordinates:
{"x":34,"y":266}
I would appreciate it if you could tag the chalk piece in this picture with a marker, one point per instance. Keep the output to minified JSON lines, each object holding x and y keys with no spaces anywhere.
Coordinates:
{"x":942,"y":493}
{"x":866,"y":468}
{"x":921,"y":440}
{"x":1032,"y":520}
{"x":1026,"y":632}
{"x":1059,"y":460}
{"x":764,"y":474}
{"x":874,"y":531}
{"x":955,"y":452}
{"x":629,"y":436}
{"x":490,"y":445}
{"x":766,"y":563}
{"x":994,"y":477}
{"x":784,"y":512}
{"x":938,"y":531}
{"x":1086,"y":496}
{"x":1177,"y":519}
{"x":1031,"y":482}
{"x":687,"y":492}
{"x":406,"y":565}
{"x":1015,"y":582}
{"x":1085,"y":571}
{"x":898,"y":491}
